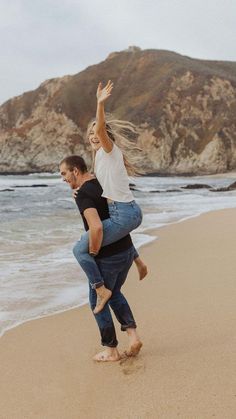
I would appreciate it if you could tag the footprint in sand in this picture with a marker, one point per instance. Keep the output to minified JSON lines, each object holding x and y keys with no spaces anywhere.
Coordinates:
{"x":132,"y":365}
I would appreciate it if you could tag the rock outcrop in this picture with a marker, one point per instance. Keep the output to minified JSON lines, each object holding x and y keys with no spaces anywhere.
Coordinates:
{"x":184,"y":110}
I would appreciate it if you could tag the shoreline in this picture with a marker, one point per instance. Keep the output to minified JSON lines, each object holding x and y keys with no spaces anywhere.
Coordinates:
{"x":152,"y":232}
{"x":153,"y":174}
{"x":185,"y":311}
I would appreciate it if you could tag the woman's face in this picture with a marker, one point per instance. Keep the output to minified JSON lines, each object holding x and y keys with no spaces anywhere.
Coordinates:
{"x":93,"y":139}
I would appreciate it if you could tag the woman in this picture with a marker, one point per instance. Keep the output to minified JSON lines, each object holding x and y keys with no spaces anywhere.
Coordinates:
{"x":111,"y":169}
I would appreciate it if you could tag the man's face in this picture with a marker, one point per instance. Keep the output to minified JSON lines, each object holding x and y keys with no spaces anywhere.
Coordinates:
{"x":71,"y":177}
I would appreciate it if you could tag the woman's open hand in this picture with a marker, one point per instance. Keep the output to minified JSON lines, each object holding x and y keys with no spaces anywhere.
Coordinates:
{"x":104,"y":92}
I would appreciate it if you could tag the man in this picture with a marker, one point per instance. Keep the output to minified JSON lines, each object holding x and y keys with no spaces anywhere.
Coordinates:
{"x":113,"y":261}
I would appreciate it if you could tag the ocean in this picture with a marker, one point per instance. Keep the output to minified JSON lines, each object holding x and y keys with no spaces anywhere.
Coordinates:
{"x":39,"y":223}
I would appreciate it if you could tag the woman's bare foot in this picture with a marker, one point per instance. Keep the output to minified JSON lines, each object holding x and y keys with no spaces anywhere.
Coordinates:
{"x":135,"y":343}
{"x":110,"y":354}
{"x":142,"y":268}
{"x":103,"y":295}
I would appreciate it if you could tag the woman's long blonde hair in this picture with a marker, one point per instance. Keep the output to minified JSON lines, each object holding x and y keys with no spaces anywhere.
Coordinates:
{"x":123,"y":133}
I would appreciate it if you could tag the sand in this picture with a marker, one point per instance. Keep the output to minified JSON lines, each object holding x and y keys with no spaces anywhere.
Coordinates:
{"x":186,"y":315}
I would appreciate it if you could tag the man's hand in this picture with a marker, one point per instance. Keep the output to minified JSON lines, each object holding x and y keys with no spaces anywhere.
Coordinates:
{"x":75,"y":193}
{"x":95,"y":230}
{"x":103,"y":93}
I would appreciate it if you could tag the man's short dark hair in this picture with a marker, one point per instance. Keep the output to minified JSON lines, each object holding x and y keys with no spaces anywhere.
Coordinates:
{"x":75,"y":161}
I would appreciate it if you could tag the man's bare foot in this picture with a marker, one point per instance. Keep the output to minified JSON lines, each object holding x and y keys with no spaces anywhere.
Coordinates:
{"x":134,"y":349}
{"x":135,"y":343}
{"x":142,"y":268}
{"x":103,"y":295}
{"x":110,"y":354}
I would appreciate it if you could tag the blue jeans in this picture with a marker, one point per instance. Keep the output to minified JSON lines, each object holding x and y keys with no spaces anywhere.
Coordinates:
{"x":124,"y":217}
{"x":114,"y":270}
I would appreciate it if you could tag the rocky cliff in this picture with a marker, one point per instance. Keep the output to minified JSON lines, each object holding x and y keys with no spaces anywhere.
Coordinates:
{"x":185,"y":111}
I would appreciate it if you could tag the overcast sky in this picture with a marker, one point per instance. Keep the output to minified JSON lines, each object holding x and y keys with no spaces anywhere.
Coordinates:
{"x":42,"y":39}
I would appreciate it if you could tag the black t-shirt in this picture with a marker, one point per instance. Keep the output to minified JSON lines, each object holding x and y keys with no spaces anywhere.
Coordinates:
{"x":90,"y":196}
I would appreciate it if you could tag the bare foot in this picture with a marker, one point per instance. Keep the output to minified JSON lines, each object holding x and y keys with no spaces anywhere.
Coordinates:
{"x":106,"y":356}
{"x":134,"y":349}
{"x":142,"y":271}
{"x":142,"y":268}
{"x":103,"y":295}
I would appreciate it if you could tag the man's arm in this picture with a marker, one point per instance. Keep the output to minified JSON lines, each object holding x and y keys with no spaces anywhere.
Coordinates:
{"x":95,"y":229}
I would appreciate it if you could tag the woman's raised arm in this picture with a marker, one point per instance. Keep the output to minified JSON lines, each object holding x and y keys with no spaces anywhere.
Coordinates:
{"x":103,"y":94}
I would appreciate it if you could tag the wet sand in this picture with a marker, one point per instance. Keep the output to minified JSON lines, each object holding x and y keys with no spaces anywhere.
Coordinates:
{"x":186,"y":312}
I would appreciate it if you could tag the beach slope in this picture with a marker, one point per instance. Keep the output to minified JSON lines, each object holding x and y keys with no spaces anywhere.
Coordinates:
{"x":185,"y":311}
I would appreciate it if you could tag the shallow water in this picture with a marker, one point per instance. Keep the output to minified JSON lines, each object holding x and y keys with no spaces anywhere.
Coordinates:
{"x":39,"y":225}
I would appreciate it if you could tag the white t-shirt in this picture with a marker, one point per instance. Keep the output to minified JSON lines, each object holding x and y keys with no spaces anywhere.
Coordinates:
{"x":112,"y":175}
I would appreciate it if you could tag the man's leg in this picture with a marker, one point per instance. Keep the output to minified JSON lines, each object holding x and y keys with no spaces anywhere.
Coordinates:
{"x":115,"y":270}
{"x":124,"y":315}
{"x":107,"y":331}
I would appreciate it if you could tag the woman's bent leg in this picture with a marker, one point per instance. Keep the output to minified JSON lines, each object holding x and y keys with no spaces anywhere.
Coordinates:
{"x":87,"y":262}
{"x":123,"y":219}
{"x":112,"y":232}
{"x":127,"y":214}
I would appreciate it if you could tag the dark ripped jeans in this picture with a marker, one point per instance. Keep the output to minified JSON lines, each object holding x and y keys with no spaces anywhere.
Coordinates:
{"x":114,"y":270}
